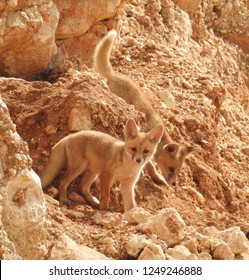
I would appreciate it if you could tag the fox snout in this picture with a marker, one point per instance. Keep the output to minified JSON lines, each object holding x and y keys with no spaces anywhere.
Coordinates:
{"x":138,"y":159}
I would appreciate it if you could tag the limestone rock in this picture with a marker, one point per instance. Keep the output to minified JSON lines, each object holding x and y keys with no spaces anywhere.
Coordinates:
{"x":72,"y":23}
{"x":167,"y":224}
{"x":236,"y":239}
{"x":108,"y":247}
{"x":136,"y":243}
{"x":223,"y":252}
{"x":179,"y":252}
{"x":152,"y":252}
{"x":66,"y":249}
{"x":107,"y":220}
{"x":27,"y":42}
{"x":137,"y":215}
{"x":245,"y":150}
{"x":79,"y":119}
{"x":168,"y":98}
{"x":23,"y":207}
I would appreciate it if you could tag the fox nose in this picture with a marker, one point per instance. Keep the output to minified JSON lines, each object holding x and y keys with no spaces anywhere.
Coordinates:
{"x":138,"y":160}
{"x":174,"y":184}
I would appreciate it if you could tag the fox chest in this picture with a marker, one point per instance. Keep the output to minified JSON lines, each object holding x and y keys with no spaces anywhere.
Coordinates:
{"x":126,"y":173}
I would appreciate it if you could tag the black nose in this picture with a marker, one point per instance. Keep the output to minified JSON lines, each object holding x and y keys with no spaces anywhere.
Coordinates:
{"x":138,"y":160}
{"x":174,"y":184}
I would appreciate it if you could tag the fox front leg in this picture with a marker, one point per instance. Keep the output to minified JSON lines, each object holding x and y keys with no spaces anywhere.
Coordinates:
{"x":156,"y":177}
{"x":127,"y":190}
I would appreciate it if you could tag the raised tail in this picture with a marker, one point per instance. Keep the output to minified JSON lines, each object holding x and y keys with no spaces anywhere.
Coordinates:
{"x":101,"y":59}
{"x":55,"y":163}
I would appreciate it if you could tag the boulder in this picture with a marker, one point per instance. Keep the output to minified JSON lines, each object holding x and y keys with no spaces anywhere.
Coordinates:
{"x":23,"y":205}
{"x":167,"y":224}
{"x":27,"y":38}
{"x":66,"y":249}
{"x":152,"y":252}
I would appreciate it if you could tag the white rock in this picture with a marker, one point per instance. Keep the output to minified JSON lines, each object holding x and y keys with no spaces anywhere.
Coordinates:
{"x":168,"y":98}
{"x":223,"y":252}
{"x":152,"y":252}
{"x":107,"y":220}
{"x":167,"y":224}
{"x":137,"y":215}
{"x":179,"y":252}
{"x":80,"y":119}
{"x":236,"y":239}
{"x":66,"y":249}
{"x":136,"y":243}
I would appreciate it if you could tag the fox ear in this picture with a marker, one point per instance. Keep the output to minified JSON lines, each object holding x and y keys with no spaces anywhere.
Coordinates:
{"x":172,"y":149}
{"x":156,"y":134}
{"x":131,"y":129}
{"x":187,"y":150}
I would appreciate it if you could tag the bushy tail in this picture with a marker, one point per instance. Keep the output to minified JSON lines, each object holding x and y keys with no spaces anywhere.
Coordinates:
{"x":102,"y":54}
{"x":55,"y":163}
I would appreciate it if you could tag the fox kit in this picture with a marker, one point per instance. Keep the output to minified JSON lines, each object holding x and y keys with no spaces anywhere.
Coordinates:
{"x":169,"y":156}
{"x":91,"y":154}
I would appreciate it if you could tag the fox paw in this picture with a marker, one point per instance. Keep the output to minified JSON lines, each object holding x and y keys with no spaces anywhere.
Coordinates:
{"x":159,"y":180}
{"x":65,"y":202}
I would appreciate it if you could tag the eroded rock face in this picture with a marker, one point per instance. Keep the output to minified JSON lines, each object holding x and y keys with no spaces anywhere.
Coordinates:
{"x":27,"y":37}
{"x":235,"y":28}
{"x":23,"y":207}
{"x":72,"y":23}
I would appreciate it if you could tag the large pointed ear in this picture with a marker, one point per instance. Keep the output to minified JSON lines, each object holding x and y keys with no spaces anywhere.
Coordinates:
{"x":131,"y":129}
{"x":172,"y":149}
{"x":156,"y":134}
{"x":185,"y":151}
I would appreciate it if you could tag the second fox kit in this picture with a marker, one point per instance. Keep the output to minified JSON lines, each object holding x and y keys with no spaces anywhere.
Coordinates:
{"x":91,"y":154}
{"x":169,"y":156}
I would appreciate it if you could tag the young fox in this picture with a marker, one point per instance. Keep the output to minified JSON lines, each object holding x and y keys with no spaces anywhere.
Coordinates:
{"x":169,"y":156}
{"x":91,"y":154}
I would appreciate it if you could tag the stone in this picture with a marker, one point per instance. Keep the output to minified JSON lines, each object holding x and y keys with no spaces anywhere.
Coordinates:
{"x":27,"y":45}
{"x":179,"y":252}
{"x":152,"y":252}
{"x":66,"y":249}
{"x":167,"y":224}
{"x":136,"y":243}
{"x":223,"y":252}
{"x":73,"y":24}
{"x":136,"y":215}
{"x":168,"y":98}
{"x":245,"y":150}
{"x":108,"y":220}
{"x":23,"y":204}
{"x":80,"y":119}
{"x":236,"y":239}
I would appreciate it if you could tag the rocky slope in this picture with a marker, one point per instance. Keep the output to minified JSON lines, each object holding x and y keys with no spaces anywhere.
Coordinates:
{"x":191,"y":59}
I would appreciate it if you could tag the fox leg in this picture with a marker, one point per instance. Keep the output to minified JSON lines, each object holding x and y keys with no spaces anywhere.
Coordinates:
{"x":156,"y":177}
{"x":127,"y":190}
{"x":88,"y":177}
{"x":71,"y":173}
{"x":106,"y":181}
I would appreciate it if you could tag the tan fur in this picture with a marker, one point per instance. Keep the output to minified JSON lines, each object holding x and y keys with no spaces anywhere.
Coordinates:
{"x":168,"y":161}
{"x":91,"y":154}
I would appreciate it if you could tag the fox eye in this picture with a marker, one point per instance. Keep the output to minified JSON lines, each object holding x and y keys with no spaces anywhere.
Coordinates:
{"x":134,"y":149}
{"x":146,"y":151}
{"x":171,"y":169}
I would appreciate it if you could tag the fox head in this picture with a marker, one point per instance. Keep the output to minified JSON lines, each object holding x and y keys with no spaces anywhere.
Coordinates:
{"x":170,"y":160}
{"x":141,"y":146}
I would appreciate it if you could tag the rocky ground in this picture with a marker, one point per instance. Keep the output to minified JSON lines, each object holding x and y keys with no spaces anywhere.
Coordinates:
{"x":192,"y":62}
